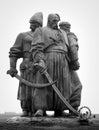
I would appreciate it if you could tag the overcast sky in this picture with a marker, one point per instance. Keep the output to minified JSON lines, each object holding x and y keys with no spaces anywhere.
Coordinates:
{"x":84,"y":18}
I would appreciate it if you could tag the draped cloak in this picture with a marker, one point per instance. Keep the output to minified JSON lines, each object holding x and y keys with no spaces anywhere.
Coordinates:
{"x":53,"y":52}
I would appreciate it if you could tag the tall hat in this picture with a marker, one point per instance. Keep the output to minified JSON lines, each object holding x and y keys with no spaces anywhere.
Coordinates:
{"x":65,"y":24}
{"x":37,"y":17}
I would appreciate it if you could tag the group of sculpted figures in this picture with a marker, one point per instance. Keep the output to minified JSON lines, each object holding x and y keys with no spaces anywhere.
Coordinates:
{"x":55,"y":47}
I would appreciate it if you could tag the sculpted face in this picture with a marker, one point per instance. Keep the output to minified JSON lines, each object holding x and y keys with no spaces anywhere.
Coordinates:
{"x":54,"y":24}
{"x":53,"y":20}
{"x":33,"y":25}
{"x":65,"y":28}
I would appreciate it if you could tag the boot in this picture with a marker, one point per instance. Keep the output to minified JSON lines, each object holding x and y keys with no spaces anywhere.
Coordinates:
{"x":39,"y":113}
{"x":58,"y":113}
{"x":24,"y":114}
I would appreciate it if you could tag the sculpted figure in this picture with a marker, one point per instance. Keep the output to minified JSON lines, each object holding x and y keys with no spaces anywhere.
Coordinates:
{"x":21,"y":49}
{"x":49,"y":48}
{"x":72,"y":43}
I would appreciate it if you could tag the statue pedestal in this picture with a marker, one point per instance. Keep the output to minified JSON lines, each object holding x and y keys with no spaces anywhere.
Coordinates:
{"x":51,"y":123}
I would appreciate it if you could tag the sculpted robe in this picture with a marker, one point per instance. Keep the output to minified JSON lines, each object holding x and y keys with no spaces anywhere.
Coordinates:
{"x":49,"y":45}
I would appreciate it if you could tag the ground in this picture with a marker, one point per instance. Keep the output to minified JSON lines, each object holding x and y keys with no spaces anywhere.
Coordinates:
{"x":45,"y":123}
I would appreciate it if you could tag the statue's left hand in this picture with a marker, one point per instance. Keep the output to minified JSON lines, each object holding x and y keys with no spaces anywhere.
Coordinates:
{"x":74,"y":65}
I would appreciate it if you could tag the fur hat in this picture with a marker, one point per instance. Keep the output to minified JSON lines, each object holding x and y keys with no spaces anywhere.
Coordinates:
{"x":66,"y":24}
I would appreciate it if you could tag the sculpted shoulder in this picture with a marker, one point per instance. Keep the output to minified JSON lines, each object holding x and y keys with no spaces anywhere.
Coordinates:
{"x":21,"y":35}
{"x":72,"y":35}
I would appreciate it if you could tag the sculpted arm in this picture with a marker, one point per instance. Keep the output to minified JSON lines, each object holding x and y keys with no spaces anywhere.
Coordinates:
{"x":73,"y":51}
{"x":14,"y":54}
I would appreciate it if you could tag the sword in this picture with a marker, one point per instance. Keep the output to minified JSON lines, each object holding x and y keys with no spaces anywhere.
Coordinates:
{"x":34,"y":85}
{"x":43,"y":70}
{"x":83,"y":117}
{"x":59,"y":93}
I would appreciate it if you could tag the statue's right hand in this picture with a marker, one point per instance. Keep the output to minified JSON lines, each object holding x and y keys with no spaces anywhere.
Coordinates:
{"x":40,"y":65}
{"x":12,"y":72}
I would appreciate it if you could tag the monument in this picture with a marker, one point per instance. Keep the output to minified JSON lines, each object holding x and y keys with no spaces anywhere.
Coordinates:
{"x":48,"y":79}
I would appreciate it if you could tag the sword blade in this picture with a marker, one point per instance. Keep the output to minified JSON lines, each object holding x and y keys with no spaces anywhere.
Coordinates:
{"x":33,"y":85}
{"x":59,"y":93}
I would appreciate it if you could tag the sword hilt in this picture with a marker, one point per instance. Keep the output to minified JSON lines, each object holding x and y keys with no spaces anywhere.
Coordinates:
{"x":41,"y":65}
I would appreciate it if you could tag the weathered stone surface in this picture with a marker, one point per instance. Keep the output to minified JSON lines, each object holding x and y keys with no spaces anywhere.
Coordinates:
{"x":51,"y":123}
{"x":19,"y":119}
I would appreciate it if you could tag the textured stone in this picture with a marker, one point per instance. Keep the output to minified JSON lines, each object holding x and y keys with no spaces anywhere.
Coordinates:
{"x":50,"y":123}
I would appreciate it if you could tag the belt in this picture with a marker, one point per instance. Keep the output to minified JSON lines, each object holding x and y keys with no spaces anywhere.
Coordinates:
{"x":56,"y":50}
{"x":60,"y":51}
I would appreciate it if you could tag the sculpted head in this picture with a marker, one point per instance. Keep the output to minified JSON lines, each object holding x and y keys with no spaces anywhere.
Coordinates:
{"x":53,"y":20}
{"x":65,"y":26}
{"x":36,"y":20}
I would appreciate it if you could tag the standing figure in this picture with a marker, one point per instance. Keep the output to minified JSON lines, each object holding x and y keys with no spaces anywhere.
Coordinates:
{"x":21,"y":49}
{"x":49,"y":48}
{"x":72,"y":43}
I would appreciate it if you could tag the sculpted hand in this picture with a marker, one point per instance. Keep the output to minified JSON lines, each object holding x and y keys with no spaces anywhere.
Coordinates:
{"x":12,"y":72}
{"x":40,"y":65}
{"x":74,"y":65}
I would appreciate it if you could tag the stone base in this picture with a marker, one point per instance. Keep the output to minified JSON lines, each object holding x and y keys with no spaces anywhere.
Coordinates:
{"x":51,"y":123}
{"x":19,"y":119}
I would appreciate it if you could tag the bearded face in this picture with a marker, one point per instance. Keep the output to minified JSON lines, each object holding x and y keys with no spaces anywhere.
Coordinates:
{"x":53,"y":20}
{"x":34,"y":25}
{"x":54,"y":24}
{"x":67,"y":29}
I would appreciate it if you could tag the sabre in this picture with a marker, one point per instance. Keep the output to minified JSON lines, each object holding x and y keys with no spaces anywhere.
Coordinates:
{"x":34,"y":85}
{"x":83,"y":117}
{"x":59,"y":93}
{"x":43,"y":70}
